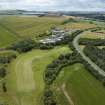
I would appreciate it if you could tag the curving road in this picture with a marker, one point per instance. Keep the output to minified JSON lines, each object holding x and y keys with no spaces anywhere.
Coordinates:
{"x":76,"y":45}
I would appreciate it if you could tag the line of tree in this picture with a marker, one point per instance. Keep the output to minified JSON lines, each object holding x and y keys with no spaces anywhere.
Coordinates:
{"x":28,"y":44}
{"x":53,"y":70}
{"x":49,"y":98}
{"x":23,"y":45}
{"x":56,"y":66}
{"x":7,"y":59}
{"x":99,"y":52}
{"x":70,"y":20}
{"x":96,"y":55}
{"x":94,"y":42}
{"x":2,"y":72}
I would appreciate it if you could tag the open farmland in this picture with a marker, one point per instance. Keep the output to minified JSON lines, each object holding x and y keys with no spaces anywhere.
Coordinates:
{"x":81,"y":87}
{"x":25,"y":81}
{"x":6,"y":37}
{"x":93,"y":35}
{"x":26,"y":76}
{"x":79,"y":25}
{"x":29,"y":26}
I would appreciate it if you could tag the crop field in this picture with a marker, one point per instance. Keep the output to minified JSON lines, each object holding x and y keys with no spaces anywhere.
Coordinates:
{"x":93,"y":35}
{"x":79,"y":25}
{"x":80,"y":87}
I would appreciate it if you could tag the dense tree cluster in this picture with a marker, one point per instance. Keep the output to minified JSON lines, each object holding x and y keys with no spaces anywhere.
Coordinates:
{"x":2,"y":72}
{"x":46,"y":46}
{"x":96,"y":55}
{"x":49,"y":97}
{"x":74,"y":34}
{"x":95,"y":73}
{"x":23,"y":45}
{"x":52,"y":72}
{"x":7,"y":59}
{"x":4,"y":87}
{"x":96,"y":29}
{"x":55,"y":67}
{"x":100,"y":53}
{"x":68,"y":21}
{"x":94,"y":42}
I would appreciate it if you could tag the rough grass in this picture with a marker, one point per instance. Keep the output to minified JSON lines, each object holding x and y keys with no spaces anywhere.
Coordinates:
{"x":93,"y":35}
{"x":25,"y":79}
{"x":32,"y":27}
{"x":81,"y":86}
{"x":6,"y":37}
{"x":27,"y":26}
{"x":79,"y":25}
{"x":13,"y":28}
{"x":8,"y":53}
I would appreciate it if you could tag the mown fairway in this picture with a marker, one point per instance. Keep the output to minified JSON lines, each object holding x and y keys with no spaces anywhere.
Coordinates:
{"x":81,"y":87}
{"x":25,"y":79}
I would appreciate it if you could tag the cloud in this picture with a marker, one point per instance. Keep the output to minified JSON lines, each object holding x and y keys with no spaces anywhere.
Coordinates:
{"x":69,"y":5}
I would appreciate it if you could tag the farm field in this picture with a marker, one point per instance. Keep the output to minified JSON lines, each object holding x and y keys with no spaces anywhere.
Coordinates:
{"x":25,"y":76}
{"x":25,"y":79}
{"x":19,"y":27}
{"x":81,"y":87}
{"x":28,"y":26}
{"x":13,"y":28}
{"x":6,"y":37}
{"x":93,"y":35}
{"x":79,"y":25}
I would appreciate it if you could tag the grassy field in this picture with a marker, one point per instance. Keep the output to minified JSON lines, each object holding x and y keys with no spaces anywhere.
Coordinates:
{"x":27,"y":26}
{"x":93,"y":35}
{"x":6,"y":37}
{"x":8,"y":53}
{"x":13,"y":28}
{"x":25,"y":79}
{"x":79,"y":25}
{"x":80,"y":87}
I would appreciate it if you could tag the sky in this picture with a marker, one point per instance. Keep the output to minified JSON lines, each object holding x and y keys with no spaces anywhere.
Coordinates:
{"x":54,"y":5}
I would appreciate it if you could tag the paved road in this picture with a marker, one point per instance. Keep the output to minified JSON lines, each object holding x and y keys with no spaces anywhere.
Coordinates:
{"x":76,"y":45}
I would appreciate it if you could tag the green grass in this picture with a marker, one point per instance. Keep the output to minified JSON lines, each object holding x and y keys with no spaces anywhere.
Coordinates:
{"x":27,"y":26}
{"x":25,"y":82}
{"x":31,"y":27}
{"x":25,"y":78}
{"x":13,"y":28}
{"x":81,"y":87}
{"x":6,"y":37}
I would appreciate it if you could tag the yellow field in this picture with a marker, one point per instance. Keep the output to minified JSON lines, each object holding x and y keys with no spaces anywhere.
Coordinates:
{"x":93,"y":35}
{"x":79,"y":25}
